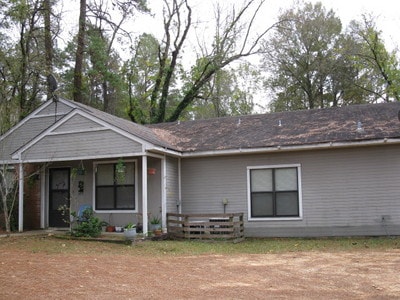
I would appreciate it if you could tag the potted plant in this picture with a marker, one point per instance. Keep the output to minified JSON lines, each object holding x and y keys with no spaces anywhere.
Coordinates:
{"x":155,"y":223}
{"x":130,"y":231}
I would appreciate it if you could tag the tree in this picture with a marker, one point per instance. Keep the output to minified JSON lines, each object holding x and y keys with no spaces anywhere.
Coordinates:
{"x":303,"y":57}
{"x":8,"y":193}
{"x":139,"y":73}
{"x":229,"y":93}
{"x":174,"y":90}
{"x":312,"y":64}
{"x":378,"y":67}
{"x":25,"y":35}
{"x":78,"y":70}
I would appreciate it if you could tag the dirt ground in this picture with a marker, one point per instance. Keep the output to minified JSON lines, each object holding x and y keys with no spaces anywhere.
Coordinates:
{"x":369,"y":274}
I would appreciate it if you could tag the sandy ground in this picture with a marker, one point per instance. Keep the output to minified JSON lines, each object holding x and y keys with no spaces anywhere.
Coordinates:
{"x":365,"y":274}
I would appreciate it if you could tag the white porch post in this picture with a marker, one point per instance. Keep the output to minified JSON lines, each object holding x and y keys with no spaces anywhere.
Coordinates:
{"x":164,"y":192}
{"x":144,"y":193}
{"x":43,"y":197}
{"x":179,"y":203}
{"x":21,"y":197}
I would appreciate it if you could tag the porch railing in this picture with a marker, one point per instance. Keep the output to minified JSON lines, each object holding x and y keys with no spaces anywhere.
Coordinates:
{"x":206,"y":226}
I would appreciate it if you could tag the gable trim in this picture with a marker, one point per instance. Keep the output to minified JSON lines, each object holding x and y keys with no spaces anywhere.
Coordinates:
{"x":78,"y":131}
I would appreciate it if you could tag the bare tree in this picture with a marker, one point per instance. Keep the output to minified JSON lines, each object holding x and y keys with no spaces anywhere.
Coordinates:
{"x":77,"y":92}
{"x":8,"y":193}
{"x":235,"y":41}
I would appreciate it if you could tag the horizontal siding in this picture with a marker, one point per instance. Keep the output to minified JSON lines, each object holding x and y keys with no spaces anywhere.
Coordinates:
{"x":84,"y":144}
{"x":172,"y":184}
{"x":23,"y":134}
{"x":53,"y":108}
{"x":344,"y":191}
{"x":77,"y":122}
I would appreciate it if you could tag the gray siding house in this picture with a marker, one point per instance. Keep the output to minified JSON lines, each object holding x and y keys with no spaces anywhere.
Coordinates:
{"x":326,"y":172}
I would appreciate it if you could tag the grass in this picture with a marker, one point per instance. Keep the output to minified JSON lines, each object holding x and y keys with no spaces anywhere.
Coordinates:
{"x":50,"y":244}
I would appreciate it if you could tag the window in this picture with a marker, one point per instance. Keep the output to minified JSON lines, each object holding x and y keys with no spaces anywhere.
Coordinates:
{"x":274,"y":192}
{"x":115,"y":186}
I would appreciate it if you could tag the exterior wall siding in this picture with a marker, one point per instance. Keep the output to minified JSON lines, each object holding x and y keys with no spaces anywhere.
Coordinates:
{"x":83,"y":144}
{"x":52,"y":109}
{"x":354,"y":191}
{"x":77,"y":122}
{"x":172,"y":184}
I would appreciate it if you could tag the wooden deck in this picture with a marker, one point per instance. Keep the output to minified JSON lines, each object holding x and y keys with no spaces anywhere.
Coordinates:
{"x":206,"y":226}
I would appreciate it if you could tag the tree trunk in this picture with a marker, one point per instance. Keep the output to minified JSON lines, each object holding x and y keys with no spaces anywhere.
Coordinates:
{"x":48,"y":42}
{"x":78,"y":97}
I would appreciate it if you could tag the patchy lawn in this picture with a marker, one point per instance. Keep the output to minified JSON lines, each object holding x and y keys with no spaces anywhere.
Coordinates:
{"x":37,"y":267}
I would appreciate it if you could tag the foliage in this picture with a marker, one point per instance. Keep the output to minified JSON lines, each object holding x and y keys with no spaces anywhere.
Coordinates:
{"x":130,"y":226}
{"x":120,"y":171}
{"x":378,"y":67}
{"x":311,"y":61}
{"x":88,"y":225}
{"x":155,"y":220}
{"x":312,"y":64}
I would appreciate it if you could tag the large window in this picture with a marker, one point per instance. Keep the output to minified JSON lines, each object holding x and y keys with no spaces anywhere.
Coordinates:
{"x":115,"y":186}
{"x":274,"y":192}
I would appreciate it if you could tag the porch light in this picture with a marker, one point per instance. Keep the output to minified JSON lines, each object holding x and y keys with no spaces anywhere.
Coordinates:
{"x":151,"y":171}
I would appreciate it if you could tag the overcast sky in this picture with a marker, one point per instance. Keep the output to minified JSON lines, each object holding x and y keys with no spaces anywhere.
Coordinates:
{"x":387,"y":12}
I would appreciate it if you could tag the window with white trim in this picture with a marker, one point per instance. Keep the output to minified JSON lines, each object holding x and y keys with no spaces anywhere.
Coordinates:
{"x":115,"y":186}
{"x":274,"y":192}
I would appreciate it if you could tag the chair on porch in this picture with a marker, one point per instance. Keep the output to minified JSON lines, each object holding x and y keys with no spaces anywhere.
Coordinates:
{"x":81,"y":216}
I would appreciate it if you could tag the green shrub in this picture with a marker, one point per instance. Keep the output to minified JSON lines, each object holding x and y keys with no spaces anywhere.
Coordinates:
{"x":88,"y":225}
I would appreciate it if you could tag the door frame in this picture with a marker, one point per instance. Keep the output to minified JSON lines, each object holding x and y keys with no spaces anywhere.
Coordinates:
{"x":48,"y":191}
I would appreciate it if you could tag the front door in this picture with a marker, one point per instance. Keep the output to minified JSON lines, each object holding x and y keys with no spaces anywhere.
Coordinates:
{"x":58,"y":196}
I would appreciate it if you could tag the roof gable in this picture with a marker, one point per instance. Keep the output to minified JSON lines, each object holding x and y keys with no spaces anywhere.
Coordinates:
{"x":79,"y":136}
{"x":30,"y":127}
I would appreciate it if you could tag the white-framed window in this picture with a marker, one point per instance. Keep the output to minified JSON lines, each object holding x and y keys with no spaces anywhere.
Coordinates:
{"x":274,"y":192}
{"x":115,"y":187}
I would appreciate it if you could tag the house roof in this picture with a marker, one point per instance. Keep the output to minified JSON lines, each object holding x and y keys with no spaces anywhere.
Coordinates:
{"x":346,"y":124}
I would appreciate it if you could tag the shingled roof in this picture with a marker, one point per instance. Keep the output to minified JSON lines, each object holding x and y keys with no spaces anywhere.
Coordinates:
{"x":306,"y":127}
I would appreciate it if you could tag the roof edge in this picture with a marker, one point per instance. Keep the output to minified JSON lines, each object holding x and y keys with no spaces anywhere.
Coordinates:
{"x":319,"y":146}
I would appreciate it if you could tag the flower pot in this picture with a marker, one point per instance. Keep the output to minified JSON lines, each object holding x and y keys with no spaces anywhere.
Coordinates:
{"x":130,"y":233}
{"x":154,"y":226}
{"x":110,"y":228}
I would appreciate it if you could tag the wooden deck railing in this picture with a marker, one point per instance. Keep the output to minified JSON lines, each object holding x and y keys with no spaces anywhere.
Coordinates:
{"x":206,"y":226}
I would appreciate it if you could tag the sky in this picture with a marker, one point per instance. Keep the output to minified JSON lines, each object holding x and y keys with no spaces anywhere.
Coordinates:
{"x":386,"y":12}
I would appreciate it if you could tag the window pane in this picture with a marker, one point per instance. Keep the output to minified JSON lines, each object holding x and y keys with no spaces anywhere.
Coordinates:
{"x":261,"y":180}
{"x":287,"y":204}
{"x":130,"y":173}
{"x":286,"y":179}
{"x":104,"y":198}
{"x":125,"y":197}
{"x":105,"y":174}
{"x":262,"y":205}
